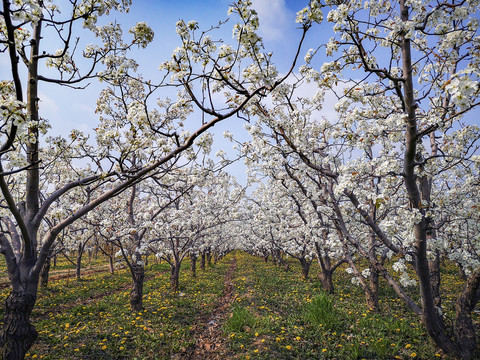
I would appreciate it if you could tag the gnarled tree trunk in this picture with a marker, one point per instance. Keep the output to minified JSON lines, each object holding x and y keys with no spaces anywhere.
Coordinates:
{"x":326,"y":279}
{"x":18,"y":333}
{"x":326,"y":276}
{"x":464,"y":327}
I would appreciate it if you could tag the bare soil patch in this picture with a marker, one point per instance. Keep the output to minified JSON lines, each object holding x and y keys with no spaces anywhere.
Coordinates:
{"x":210,"y":341}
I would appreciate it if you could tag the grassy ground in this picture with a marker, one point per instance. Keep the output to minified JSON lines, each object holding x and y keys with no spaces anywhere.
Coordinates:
{"x":291,"y":319}
{"x":272,"y":314}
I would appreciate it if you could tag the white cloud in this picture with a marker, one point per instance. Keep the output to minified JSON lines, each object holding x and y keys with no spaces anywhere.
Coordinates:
{"x":67,"y":109}
{"x":86,"y":109}
{"x":273,"y":15}
{"x":48,"y":107}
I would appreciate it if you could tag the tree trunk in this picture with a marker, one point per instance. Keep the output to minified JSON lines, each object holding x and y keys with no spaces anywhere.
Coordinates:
{"x":283,"y":262}
{"x":136,"y":295}
{"x":372,"y":296}
{"x":18,"y":333}
{"x":305,"y":268}
{"x":174,"y":275}
{"x":435,"y":279}
{"x":111,"y":264}
{"x":431,"y":318}
{"x":209,"y":258}
{"x":326,"y":277}
{"x":464,"y":326}
{"x":78,"y":267}
{"x":45,"y":273}
{"x":193,"y":265}
{"x":461,"y":272}
{"x":202,"y":261}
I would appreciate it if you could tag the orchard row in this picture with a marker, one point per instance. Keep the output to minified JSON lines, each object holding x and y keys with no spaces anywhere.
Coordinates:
{"x":363,"y":151}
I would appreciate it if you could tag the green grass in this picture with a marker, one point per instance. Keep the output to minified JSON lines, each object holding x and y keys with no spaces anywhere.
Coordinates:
{"x":297,"y":320}
{"x":241,"y":320}
{"x":319,"y":312}
{"x":273,"y":314}
{"x":91,"y":318}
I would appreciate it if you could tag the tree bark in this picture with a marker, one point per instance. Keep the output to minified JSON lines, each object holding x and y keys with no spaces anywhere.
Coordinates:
{"x":305,"y":267}
{"x":193,"y":265}
{"x":136,"y":295}
{"x":372,"y":297}
{"x":111,"y":264}
{"x":435,"y":279}
{"x":44,"y":274}
{"x":202,"y":261}
{"x":326,"y":277}
{"x":174,"y":275}
{"x":280,"y":260}
{"x":18,"y":333}
{"x":209,"y":258}
{"x":78,"y":265}
{"x":431,"y":317}
{"x":464,"y":326}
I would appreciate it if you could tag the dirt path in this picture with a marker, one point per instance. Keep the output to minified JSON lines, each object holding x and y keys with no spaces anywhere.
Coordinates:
{"x":210,"y":340}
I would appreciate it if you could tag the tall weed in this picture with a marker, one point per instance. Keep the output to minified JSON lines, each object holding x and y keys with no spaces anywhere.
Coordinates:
{"x":320,"y":312}
{"x":240,"y":320}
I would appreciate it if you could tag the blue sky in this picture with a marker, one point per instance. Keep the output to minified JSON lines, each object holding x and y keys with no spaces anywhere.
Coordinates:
{"x":67,"y":109}
{"x":277,"y":28}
